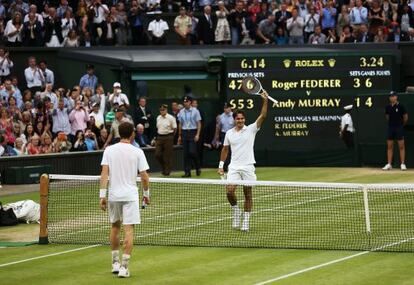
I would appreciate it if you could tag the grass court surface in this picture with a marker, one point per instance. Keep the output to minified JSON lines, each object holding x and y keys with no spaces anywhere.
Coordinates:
{"x":82,"y":264}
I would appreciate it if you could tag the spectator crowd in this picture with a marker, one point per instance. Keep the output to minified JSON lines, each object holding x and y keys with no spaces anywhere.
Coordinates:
{"x":140,"y":22}
{"x":42,"y":118}
{"x":46,"y":119}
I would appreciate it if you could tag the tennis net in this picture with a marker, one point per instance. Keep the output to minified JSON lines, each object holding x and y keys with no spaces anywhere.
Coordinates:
{"x":195,"y":212}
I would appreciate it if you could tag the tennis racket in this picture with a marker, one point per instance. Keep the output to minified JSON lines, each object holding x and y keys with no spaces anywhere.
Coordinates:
{"x":252,"y":86}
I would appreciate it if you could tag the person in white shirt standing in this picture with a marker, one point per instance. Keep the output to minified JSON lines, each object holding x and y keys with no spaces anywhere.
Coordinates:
{"x":121,"y":163}
{"x":295,"y":26}
{"x":241,"y":141}
{"x":158,"y":29}
{"x":100,"y":27}
{"x":5,"y":64}
{"x":33,"y":76}
{"x":347,"y":129}
{"x":33,"y":9}
{"x":311,"y":21}
{"x":52,"y":96}
{"x":48,"y":75}
{"x":358,"y":15}
{"x":118,"y":97}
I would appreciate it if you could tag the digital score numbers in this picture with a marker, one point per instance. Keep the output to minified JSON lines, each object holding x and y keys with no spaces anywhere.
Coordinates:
{"x":308,"y":74}
{"x":311,"y":89}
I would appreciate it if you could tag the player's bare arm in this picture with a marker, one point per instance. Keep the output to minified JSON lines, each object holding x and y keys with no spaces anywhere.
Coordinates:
{"x":263,"y":112}
{"x":103,"y":187}
{"x":108,"y":141}
{"x":405,"y":119}
{"x":145,"y":185}
{"x":223,"y":156}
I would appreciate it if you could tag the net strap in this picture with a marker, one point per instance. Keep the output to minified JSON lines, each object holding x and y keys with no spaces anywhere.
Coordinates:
{"x":349,"y":186}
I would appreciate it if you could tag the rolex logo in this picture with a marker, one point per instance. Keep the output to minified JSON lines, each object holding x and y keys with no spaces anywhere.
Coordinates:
{"x":287,"y":63}
{"x":331,"y":62}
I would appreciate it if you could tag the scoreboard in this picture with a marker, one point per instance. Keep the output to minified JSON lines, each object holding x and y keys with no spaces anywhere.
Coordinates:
{"x":311,"y":88}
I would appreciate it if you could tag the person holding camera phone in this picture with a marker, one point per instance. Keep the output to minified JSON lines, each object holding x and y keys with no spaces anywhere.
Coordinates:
{"x":118,"y":97}
{"x":80,"y":144}
{"x":90,"y":140}
{"x":78,"y":118}
{"x":61,"y":143}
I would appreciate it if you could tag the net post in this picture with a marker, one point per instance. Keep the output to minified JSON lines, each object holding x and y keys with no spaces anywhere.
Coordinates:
{"x":366,"y":209}
{"x":44,"y":192}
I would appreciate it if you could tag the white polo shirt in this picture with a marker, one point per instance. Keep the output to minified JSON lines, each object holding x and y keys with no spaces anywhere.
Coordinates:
{"x":347,"y":120}
{"x":124,"y":161}
{"x":158,"y":28}
{"x":242,"y":145}
{"x":121,"y":99}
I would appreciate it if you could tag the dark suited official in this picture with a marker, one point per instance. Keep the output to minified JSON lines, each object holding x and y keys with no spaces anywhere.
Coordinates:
{"x":206,"y":27}
{"x":142,"y":115}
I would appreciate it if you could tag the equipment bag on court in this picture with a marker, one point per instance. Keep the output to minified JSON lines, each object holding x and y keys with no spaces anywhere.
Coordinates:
{"x":7,"y":217}
{"x":27,"y":211}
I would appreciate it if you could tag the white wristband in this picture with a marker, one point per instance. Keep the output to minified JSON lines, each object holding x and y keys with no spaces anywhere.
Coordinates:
{"x":102,"y":193}
{"x":221,"y":164}
{"x":146,"y":193}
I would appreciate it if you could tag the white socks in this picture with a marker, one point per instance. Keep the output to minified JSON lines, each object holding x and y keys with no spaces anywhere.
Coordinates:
{"x":235,"y":209}
{"x":125,"y":260}
{"x":115,"y":256}
{"x":246,"y":217}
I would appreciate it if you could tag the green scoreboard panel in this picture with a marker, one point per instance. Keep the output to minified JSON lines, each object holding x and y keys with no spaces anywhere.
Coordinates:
{"x":311,"y":88}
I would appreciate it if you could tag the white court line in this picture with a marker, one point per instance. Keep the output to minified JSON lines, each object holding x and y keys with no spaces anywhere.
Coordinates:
{"x":49,"y":255}
{"x":332,"y":262}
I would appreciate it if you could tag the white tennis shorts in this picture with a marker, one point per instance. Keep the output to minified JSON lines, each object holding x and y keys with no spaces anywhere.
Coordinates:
{"x":126,"y":212}
{"x":241,"y":173}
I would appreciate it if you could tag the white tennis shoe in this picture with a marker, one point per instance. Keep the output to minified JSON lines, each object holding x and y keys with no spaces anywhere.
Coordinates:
{"x":388,"y":167}
{"x":245,"y":226}
{"x":115,"y":267}
{"x":236,"y":218}
{"x":403,"y":167}
{"x":123,"y":272}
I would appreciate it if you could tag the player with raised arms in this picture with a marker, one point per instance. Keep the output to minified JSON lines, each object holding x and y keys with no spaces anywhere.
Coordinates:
{"x":122,"y":162}
{"x":240,"y":139}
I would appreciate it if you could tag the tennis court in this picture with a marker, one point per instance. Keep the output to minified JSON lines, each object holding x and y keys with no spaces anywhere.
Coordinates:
{"x":187,"y":220}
